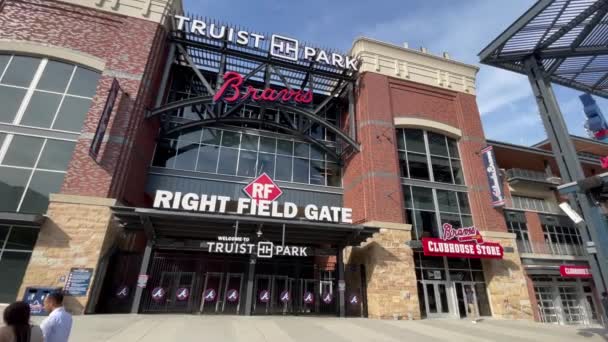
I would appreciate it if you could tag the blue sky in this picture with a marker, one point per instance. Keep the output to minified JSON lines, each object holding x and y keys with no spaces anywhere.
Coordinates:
{"x":460,"y":27}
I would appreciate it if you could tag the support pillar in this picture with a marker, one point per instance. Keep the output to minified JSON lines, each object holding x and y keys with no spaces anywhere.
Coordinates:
{"x":249,"y":295}
{"x":341,"y":283}
{"x":143,"y":269}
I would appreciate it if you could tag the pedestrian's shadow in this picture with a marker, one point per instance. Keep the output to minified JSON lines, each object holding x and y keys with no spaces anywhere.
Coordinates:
{"x":590,"y":332}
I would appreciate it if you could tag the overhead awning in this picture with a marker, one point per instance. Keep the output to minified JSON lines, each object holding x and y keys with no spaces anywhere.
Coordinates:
{"x":20,"y":219}
{"x":180,"y":224}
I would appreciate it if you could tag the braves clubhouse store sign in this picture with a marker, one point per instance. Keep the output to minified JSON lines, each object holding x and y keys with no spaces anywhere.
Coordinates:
{"x":464,"y":242}
{"x":262,"y":193}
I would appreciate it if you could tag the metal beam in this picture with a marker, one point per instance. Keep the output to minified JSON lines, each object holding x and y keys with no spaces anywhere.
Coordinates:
{"x":165,"y":78}
{"x":205,"y":99}
{"x":278,"y":73}
{"x":143,"y":269}
{"x":198,"y":73}
{"x":337,"y":90}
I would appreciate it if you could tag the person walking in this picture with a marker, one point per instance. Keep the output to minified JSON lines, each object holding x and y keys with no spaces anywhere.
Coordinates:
{"x":18,"y":327}
{"x":56,"y":327}
{"x":471,"y":305}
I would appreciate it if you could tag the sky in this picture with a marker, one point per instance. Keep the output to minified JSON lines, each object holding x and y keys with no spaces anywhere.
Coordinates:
{"x":460,"y":27}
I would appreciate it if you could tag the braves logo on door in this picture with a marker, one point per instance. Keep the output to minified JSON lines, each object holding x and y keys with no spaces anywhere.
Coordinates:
{"x":464,"y":234}
{"x":263,"y":188}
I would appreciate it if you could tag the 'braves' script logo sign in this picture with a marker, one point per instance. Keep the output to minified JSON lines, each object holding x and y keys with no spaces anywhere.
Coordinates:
{"x":463,"y":234}
{"x":233,"y":82}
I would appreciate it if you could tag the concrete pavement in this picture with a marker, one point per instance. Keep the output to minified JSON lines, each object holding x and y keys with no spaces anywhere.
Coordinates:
{"x":184,"y":328}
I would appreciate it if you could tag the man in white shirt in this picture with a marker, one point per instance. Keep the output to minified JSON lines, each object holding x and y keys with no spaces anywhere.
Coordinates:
{"x":56,"y":327}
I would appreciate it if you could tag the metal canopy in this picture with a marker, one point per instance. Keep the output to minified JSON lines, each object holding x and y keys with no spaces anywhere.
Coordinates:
{"x":178,"y":224}
{"x":568,"y":39}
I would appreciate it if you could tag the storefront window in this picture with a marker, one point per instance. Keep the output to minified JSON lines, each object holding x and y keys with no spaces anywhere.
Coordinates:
{"x":227,"y":152}
{"x":16,"y":244}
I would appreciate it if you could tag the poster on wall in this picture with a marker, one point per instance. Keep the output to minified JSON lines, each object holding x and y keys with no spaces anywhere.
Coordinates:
{"x":78,"y":282}
{"x":492,"y":172}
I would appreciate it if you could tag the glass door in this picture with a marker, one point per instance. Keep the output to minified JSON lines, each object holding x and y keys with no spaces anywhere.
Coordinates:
{"x":210,"y":298}
{"x":572,"y":309}
{"x":436,"y":299}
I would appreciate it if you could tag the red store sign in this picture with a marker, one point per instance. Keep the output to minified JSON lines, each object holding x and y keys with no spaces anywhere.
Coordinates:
{"x":461,"y":243}
{"x":569,"y":271}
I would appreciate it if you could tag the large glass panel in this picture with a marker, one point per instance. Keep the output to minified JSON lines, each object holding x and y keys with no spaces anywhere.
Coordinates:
{"x":21,"y":71}
{"x":301,"y":150}
{"x":317,"y":172}
{"x":41,"y":109}
{"x":426,"y":222}
{"x":23,"y":151}
{"x":441,"y":170}
{"x":333,"y":174}
{"x":231,"y":139}
{"x":247,"y":161}
{"x":453,"y":219}
{"x":283,"y":168}
{"x":457,"y":171}
{"x":403,"y":165}
{"x":414,"y":140}
{"x":207,"y":158}
{"x":37,"y":196}
{"x":423,"y":198}
{"x":249,"y":142}
{"x":463,"y":200}
{"x":266,"y":164}
{"x":72,"y":113}
{"x":10,"y":98}
{"x":407,"y":196}
{"x":300,"y":170}
{"x":430,"y":297}
{"x":192,"y":136}
{"x":418,"y":166}
{"x":447,"y":201}
{"x":211,"y":136}
{"x":55,"y":76}
{"x":12,"y":268}
{"x":285,"y":147}
{"x":268,"y":145}
{"x":228,"y":158}
{"x":316,"y":153}
{"x":12,"y":184}
{"x":164,"y":156}
{"x":22,"y":238}
{"x":186,"y":155}
{"x":453,"y":148}
{"x":444,"y":298}
{"x":84,"y":82}
{"x":400,"y":139}
{"x":56,"y":155}
{"x":437,"y":144}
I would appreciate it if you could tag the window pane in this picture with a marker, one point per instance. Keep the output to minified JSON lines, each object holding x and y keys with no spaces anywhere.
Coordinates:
{"x":453,"y":148}
{"x":164,"y":156}
{"x":285,"y":147}
{"x":414,"y":140}
{"x":467,"y":220}
{"x":56,"y":155}
{"x":84,"y":82}
{"x":23,"y":151}
{"x":463,"y":200}
{"x":403,"y":164}
{"x":10,"y":98}
{"x":12,"y":184}
{"x":266,"y":164}
{"x":268,"y":144}
{"x":418,"y":166}
{"x":316,"y":153}
{"x":300,"y":170}
{"x":250,"y":142}
{"x":55,"y":76}
{"x":301,"y":150}
{"x":457,"y":170}
{"x":12,"y":268}
{"x":441,"y":170}
{"x":37,"y":196}
{"x":3,"y":229}
{"x":207,"y":158}
{"x":283,"y":168}
{"x":453,"y":219}
{"x":72,"y":113}
{"x":247,"y":163}
{"x":423,"y":198}
{"x":231,"y":139}
{"x":407,"y":196}
{"x":193,"y":136}
{"x":21,"y":71}
{"x":317,"y":172}
{"x":22,"y":238}
{"x":211,"y":136}
{"x":228,"y":158}
{"x":437,"y":144}
{"x":426,"y":223}
{"x":447,"y":201}
{"x":186,"y":155}
{"x":333,"y":174}
{"x":41,"y":109}
{"x":400,"y":139}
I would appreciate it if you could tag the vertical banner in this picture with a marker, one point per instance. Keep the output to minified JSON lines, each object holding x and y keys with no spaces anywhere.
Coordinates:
{"x":104,"y":120}
{"x":489,"y":162}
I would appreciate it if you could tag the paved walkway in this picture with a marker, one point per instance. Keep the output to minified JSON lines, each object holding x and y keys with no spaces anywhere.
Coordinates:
{"x":185,"y":328}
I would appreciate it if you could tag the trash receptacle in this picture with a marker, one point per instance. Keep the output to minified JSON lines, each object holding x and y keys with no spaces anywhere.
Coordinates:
{"x":35,"y":295}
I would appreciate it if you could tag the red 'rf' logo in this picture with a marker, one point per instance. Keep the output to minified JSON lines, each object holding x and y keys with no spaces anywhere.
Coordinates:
{"x":263,"y":188}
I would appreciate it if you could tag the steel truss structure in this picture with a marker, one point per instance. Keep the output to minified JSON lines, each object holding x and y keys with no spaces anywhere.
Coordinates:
{"x":207,"y":60}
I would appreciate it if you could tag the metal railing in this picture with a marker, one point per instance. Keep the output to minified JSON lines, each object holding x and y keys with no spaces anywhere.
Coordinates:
{"x":537,"y":176}
{"x":549,"y":248}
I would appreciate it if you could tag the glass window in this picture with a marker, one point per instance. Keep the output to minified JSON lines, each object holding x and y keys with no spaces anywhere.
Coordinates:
{"x":186,"y":155}
{"x":426,"y":223}
{"x":56,"y":155}
{"x":414,"y":140}
{"x":441,"y":170}
{"x":211,"y":136}
{"x":3,"y":229}
{"x":457,"y":171}
{"x":23,"y":151}
{"x":21,"y":71}
{"x":228,"y":158}
{"x":463,"y":200}
{"x":268,"y":145}
{"x":192,"y":136}
{"x":316,"y":153}
{"x":41,"y":109}
{"x":403,"y":165}
{"x":400,"y":139}
{"x":72,"y":113}
{"x":231,"y":139}
{"x":333,"y":174}
{"x":207,"y":158}
{"x":447,"y":201}
{"x":285,"y":147}
{"x":22,"y":238}
{"x":301,"y":150}
{"x":437,"y":144}
{"x":453,"y":219}
{"x":418,"y":166}
{"x":12,"y":184}
{"x":55,"y":76}
{"x":453,"y":148}
{"x":84,"y":82}
{"x":300,"y":170}
{"x":12,"y":268}
{"x":165,"y":153}
{"x":266,"y":164}
{"x":423,"y":198}
{"x":407,"y":197}
{"x":317,"y":172}
{"x":283,"y":168}
{"x":247,"y":161}
{"x":250,"y":142}
{"x":10,"y":98}
{"x":43,"y":183}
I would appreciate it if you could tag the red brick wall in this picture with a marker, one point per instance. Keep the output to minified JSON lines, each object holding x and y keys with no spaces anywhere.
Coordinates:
{"x":125,"y":44}
{"x":535,"y":231}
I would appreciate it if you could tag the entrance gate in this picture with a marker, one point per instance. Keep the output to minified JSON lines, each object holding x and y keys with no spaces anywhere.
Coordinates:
{"x":221,"y":293}
{"x":436,"y":295}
